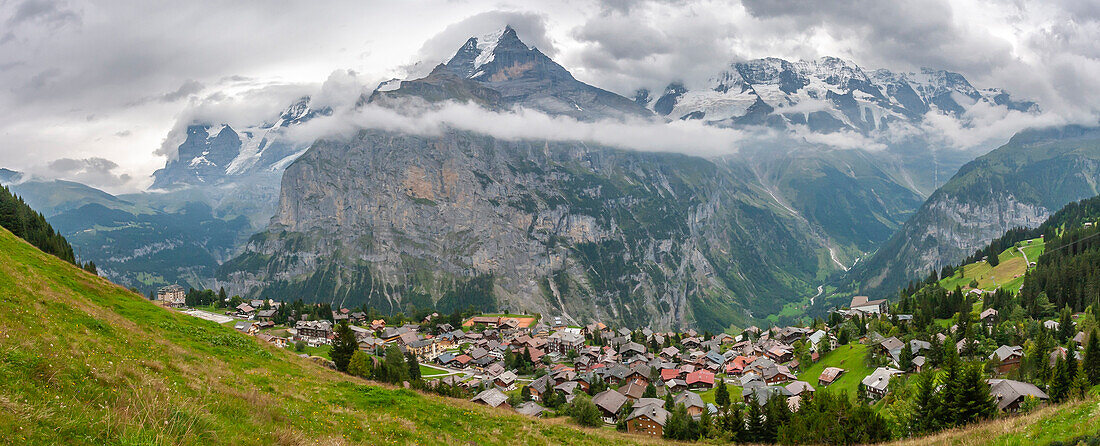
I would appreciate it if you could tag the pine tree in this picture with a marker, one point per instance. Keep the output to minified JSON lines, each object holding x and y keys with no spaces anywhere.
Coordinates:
{"x":722,"y":394}
{"x":1059,"y":385}
{"x":975,"y":403}
{"x":1079,"y":387}
{"x":413,"y":365}
{"x":754,"y":423}
{"x":951,"y":394}
{"x":1065,"y":325}
{"x":1091,"y":363}
{"x":927,"y":404}
{"x":650,"y":391}
{"x":905,"y":361}
{"x":668,"y":402}
{"x":343,"y":346}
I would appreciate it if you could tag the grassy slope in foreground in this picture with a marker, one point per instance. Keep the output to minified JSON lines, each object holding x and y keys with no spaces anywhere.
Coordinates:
{"x":83,"y":361}
{"x":848,"y":357}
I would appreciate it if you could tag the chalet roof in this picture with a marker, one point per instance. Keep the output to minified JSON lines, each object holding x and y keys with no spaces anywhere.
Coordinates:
{"x":798,"y":387}
{"x":654,"y":412}
{"x":689,"y":399}
{"x":830,"y":374}
{"x":491,"y":397}
{"x":700,"y":376}
{"x":1004,"y":352}
{"x":1006,"y":391}
{"x":633,"y":390}
{"x":609,"y":400}
{"x":880,"y":378}
{"x":530,"y":408}
{"x":892,"y":343}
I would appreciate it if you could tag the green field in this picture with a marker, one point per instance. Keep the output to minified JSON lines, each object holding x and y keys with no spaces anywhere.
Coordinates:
{"x":1008,"y":274}
{"x":426,"y":371}
{"x":848,"y":357}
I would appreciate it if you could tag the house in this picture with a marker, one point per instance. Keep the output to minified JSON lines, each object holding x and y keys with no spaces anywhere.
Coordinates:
{"x":531,"y":409}
{"x":265,"y":315}
{"x":506,"y":380}
{"x":313,"y":329}
{"x":761,"y":393}
{"x":863,"y":305}
{"x":780,"y":353}
{"x":878,"y":381}
{"x":492,"y":398}
{"x":564,"y":342}
{"x":461,"y":361}
{"x":172,"y":295}
{"x":423,"y":348}
{"x":647,"y":420}
{"x":488,"y":321}
{"x":700,"y":379}
{"x":692,"y":401}
{"x":797,"y":388}
{"x":377,"y":324}
{"x":539,"y":387}
{"x":988,"y":317}
{"x":890,"y":344}
{"x":1007,"y":358}
{"x":609,"y":402}
{"x":245,"y":310}
{"x":557,"y":323}
{"x":1011,"y":394}
{"x":633,"y":390}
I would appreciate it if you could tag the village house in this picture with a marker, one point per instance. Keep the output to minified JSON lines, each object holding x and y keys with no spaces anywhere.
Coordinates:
{"x":564,"y":342}
{"x":700,"y":379}
{"x":492,"y":397}
{"x":1011,"y":394}
{"x":172,"y":296}
{"x":647,"y":419}
{"x":691,"y":401}
{"x":876,"y":384}
{"x":423,"y":349}
{"x":265,"y":315}
{"x":1007,"y":358}
{"x":245,"y":311}
{"x":313,"y":332}
{"x":862,"y":305}
{"x":609,"y":402}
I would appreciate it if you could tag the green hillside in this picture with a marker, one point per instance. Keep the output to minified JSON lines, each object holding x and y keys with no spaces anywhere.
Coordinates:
{"x":848,"y":357}
{"x":1008,"y":274}
{"x":86,"y":361}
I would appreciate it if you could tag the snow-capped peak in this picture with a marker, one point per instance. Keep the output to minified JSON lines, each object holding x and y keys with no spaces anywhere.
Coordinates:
{"x":486,"y":44}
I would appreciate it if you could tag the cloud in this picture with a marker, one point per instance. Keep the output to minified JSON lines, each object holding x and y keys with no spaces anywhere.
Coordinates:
{"x":188,"y":88}
{"x":96,"y":172}
{"x":48,"y":12}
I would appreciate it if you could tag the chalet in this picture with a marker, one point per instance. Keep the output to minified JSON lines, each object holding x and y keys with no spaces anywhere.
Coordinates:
{"x":531,"y":409}
{"x":539,"y":387}
{"x":797,"y":388}
{"x":172,"y":295}
{"x":862,"y":305}
{"x":670,"y":353}
{"x":488,"y":321}
{"x":506,"y":380}
{"x":245,"y":311}
{"x":423,"y":348}
{"x":691,"y":401}
{"x":633,"y":391}
{"x":890,"y":344}
{"x":564,"y":342}
{"x":313,"y":329}
{"x":358,"y":317}
{"x":461,"y":361}
{"x":988,"y":317}
{"x":700,"y":379}
{"x":631,"y":348}
{"x":647,"y":420}
{"x":492,"y":398}
{"x":762,"y":393}
{"x":557,"y":323}
{"x":1011,"y":394}
{"x":878,"y":381}
{"x":1007,"y":358}
{"x":609,"y":402}
{"x":377,"y":324}
{"x":273,"y":340}
{"x":265,"y":315}
{"x":780,"y":353}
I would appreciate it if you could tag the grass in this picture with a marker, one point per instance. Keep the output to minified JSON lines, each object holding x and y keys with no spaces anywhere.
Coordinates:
{"x":1040,"y":427}
{"x":1007,"y":274}
{"x":89,"y":362}
{"x":848,"y":357}
{"x":426,"y":371}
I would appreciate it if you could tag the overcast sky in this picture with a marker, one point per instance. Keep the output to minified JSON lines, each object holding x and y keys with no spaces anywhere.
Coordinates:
{"x":91,"y":89}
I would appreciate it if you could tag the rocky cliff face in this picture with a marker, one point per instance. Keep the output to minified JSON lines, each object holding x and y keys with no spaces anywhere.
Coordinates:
{"x":1019,"y":184}
{"x":590,"y":232}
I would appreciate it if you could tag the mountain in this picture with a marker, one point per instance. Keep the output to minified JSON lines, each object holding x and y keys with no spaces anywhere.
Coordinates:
{"x":213,"y":154}
{"x":1017,"y":185}
{"x":499,"y":72}
{"x":831,"y":95}
{"x":591,"y":232}
{"x":599,"y":233}
{"x":87,"y":361}
{"x":826,"y":95}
